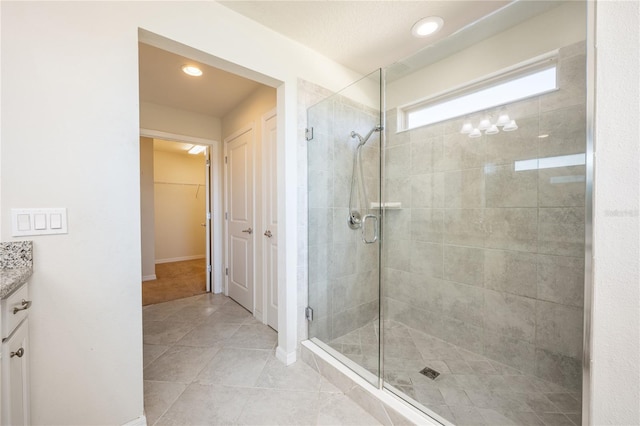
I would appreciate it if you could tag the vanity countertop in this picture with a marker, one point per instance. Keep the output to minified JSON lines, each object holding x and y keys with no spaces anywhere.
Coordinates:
{"x":11,"y":279}
{"x":16,"y":265}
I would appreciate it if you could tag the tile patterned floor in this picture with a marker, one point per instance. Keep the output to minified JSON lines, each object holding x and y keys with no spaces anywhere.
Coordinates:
{"x":471,"y":389}
{"x":207,"y":361}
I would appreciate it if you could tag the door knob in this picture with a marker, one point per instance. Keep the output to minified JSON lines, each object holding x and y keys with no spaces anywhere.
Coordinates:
{"x":203,"y":224}
{"x":248,"y":231}
{"x":268,"y":233}
{"x":18,"y":353}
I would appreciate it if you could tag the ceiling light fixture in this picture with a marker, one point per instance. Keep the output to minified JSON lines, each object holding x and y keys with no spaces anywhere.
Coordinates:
{"x":427,"y":26}
{"x":192,"y":70}
{"x":197,"y":149}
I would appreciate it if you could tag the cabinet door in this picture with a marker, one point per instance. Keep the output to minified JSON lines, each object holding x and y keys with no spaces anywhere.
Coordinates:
{"x":15,"y":377}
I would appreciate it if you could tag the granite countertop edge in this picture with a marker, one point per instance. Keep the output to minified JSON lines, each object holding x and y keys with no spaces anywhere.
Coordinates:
{"x":12,"y":278}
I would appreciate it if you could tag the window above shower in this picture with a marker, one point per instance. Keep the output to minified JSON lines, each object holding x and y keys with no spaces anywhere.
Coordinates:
{"x":523,"y":81}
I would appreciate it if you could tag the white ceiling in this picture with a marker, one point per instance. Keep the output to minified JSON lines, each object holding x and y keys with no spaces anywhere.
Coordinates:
{"x":171,"y":146}
{"x":162,"y":82}
{"x":362,"y":35}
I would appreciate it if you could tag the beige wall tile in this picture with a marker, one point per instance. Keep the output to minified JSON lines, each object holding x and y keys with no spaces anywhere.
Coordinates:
{"x":559,"y":328}
{"x":561,"y":279}
{"x":464,"y":227}
{"x":426,"y":225}
{"x":510,"y":315}
{"x":508,"y":188}
{"x":560,"y":369}
{"x":464,"y":188}
{"x":427,"y":155}
{"x":566,"y":130}
{"x":512,"y":229}
{"x":426,"y":258}
{"x":462,"y":152}
{"x":562,"y":186}
{"x":464,"y":264}
{"x":510,"y":272}
{"x":427,"y":191}
{"x":561,"y":231}
{"x":515,"y":353}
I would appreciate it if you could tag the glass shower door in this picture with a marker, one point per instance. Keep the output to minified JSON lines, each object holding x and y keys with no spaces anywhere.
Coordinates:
{"x":483,"y":266}
{"x":343,"y":172}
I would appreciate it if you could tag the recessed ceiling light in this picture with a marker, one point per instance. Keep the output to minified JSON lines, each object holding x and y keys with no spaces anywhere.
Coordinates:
{"x":192,"y":70}
{"x":196,"y":149}
{"x":427,"y":26}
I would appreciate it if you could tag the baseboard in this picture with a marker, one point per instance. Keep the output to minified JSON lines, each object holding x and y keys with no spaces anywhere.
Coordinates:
{"x":180,"y":259}
{"x":149,"y":277}
{"x":286,"y":358}
{"x":140,"y":421}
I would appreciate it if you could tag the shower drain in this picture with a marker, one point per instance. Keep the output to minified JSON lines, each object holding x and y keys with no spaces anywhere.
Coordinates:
{"x":429,"y":372}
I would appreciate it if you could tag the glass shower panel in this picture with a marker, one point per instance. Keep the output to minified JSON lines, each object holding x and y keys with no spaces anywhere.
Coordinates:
{"x":343,"y":172}
{"x":483,"y":257}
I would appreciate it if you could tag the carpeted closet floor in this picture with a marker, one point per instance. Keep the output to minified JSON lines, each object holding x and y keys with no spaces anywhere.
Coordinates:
{"x":175,"y":280}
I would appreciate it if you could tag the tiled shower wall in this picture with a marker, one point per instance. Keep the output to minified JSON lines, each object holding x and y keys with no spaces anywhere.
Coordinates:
{"x":486,"y":257}
{"x":343,"y":272}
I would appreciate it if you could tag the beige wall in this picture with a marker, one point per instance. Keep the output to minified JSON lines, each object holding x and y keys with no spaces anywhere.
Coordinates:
{"x":615,"y":372}
{"x":71,"y":139}
{"x":179,"y":205}
{"x":146,"y":209}
{"x":250,"y":111}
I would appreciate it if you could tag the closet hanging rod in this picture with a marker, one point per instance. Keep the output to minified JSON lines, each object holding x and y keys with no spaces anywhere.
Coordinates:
{"x":178,"y":183}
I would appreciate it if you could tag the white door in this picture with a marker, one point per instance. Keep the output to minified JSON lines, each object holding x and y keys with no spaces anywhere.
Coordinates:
{"x":239,"y":159}
{"x":270,"y":167}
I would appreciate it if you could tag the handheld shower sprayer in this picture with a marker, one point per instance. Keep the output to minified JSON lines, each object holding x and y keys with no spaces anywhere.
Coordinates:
{"x":355,"y":217}
{"x":363,"y":140}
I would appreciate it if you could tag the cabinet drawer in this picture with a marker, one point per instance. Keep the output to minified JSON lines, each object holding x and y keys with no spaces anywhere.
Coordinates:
{"x":14,"y":310}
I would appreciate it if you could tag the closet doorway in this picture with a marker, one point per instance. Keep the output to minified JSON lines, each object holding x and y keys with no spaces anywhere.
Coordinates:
{"x":176,"y":219}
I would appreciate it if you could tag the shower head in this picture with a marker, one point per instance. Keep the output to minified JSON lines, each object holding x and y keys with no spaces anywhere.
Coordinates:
{"x":361,"y":140}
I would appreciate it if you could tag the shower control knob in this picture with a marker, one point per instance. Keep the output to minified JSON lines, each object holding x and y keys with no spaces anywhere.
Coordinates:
{"x":268,"y":234}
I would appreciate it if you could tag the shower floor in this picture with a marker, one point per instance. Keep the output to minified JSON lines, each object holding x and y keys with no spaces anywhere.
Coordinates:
{"x":470,"y":389}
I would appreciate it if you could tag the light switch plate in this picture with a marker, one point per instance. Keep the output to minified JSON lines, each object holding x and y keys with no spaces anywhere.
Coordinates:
{"x":39,"y":221}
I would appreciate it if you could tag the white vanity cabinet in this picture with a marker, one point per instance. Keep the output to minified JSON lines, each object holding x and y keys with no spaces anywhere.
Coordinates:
{"x":15,"y":357}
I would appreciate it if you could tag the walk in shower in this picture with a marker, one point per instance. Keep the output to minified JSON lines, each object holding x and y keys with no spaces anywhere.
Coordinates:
{"x":447,"y":201}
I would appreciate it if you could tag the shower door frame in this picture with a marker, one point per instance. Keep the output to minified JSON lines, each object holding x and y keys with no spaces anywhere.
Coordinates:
{"x":590,"y":141}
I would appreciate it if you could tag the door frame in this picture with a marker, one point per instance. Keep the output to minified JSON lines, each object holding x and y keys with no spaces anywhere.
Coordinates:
{"x":250,"y":127}
{"x":286,"y":85}
{"x":215,"y":199}
{"x":271,"y":114}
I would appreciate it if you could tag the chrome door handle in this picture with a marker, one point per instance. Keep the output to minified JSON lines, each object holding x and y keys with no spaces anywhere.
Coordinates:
{"x":248,"y":231}
{"x":268,"y":234}
{"x":375,"y":228}
{"x":26,"y":304}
